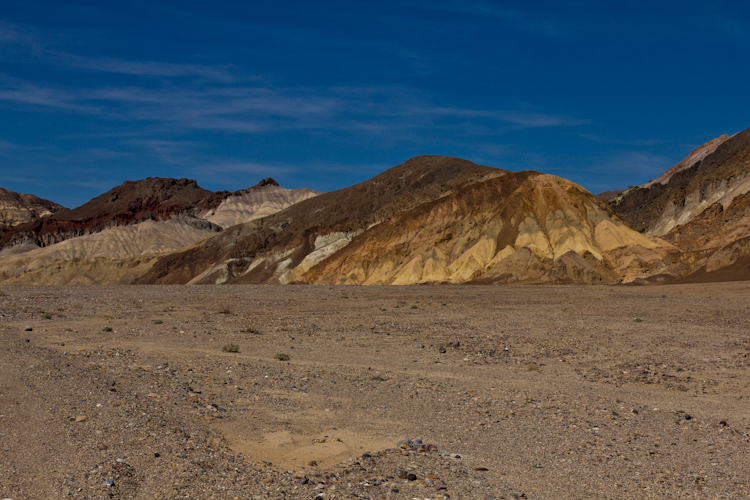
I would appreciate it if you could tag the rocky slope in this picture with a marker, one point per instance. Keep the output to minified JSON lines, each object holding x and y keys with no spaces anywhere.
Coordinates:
{"x":429,"y":220}
{"x":702,"y":206}
{"x":20,"y":208}
{"x":115,"y":256}
{"x":262,"y":200}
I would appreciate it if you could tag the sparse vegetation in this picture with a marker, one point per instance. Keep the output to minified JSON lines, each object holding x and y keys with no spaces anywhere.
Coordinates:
{"x":253,"y":330}
{"x":637,"y":320}
{"x":158,"y":322}
{"x":107,"y":329}
{"x":47,"y":316}
{"x":282,"y":357}
{"x":414,"y":307}
{"x":231,"y":348}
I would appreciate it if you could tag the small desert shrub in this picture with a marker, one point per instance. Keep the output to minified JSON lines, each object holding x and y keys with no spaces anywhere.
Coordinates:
{"x":158,"y":322}
{"x":253,"y":330}
{"x":532,"y":367}
{"x":47,"y":316}
{"x":282,"y":357}
{"x":637,"y":320}
{"x":414,"y":307}
{"x":231,"y":348}
{"x":107,"y":329}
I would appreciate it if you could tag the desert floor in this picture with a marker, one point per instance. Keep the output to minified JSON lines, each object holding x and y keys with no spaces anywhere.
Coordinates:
{"x":550,"y":392}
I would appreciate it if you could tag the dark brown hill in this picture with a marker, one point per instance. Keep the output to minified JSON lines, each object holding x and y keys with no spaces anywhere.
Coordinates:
{"x":131,"y":202}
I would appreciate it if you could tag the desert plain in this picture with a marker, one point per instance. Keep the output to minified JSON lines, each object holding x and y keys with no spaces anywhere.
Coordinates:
{"x":548,"y":392}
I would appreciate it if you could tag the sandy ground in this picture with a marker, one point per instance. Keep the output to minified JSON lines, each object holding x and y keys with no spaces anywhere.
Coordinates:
{"x":550,"y":392}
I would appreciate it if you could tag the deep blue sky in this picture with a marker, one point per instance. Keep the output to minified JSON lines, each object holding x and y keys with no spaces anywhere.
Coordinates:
{"x":323,"y":94}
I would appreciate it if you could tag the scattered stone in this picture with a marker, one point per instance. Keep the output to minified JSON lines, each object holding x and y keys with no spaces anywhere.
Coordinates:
{"x":688,"y":417}
{"x":81,"y":418}
{"x":28,"y":329}
{"x":109,"y":483}
{"x":411,"y":477}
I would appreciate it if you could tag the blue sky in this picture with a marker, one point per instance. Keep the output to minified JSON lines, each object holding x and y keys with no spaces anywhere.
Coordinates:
{"x":326,"y":94}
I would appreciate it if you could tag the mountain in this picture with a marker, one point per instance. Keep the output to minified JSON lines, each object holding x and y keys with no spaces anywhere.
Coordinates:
{"x":261,"y":200}
{"x":431,"y":219}
{"x":129,"y":203}
{"x":115,"y":237}
{"x":150,"y":199}
{"x":701,"y":206}
{"x":19,"y":208}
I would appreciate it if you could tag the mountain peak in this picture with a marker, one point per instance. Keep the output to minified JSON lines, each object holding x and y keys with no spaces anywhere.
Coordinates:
{"x":268,"y":182}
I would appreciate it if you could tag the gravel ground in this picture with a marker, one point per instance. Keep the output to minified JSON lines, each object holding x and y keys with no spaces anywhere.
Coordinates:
{"x":549,"y":392}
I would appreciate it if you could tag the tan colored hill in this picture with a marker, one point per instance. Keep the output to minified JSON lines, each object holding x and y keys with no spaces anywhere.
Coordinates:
{"x":255,"y":203}
{"x":21,"y":208}
{"x":702,"y":206}
{"x":114,"y":256}
{"x":429,"y":220}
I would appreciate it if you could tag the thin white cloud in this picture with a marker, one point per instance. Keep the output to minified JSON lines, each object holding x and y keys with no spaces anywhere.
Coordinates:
{"x":146,"y":68}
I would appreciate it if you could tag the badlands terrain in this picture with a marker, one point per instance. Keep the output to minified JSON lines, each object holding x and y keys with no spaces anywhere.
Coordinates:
{"x":335,"y":392}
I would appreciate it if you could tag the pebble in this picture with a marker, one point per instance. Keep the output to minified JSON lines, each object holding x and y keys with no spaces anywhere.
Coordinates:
{"x":81,"y":418}
{"x":28,"y":329}
{"x":109,"y":482}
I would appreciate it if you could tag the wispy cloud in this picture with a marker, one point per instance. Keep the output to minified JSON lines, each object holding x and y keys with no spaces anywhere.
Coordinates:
{"x":14,"y":37}
{"x":264,"y":109}
{"x":145,"y":68}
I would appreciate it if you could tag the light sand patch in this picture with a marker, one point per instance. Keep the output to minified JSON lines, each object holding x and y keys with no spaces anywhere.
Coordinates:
{"x":290,"y":449}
